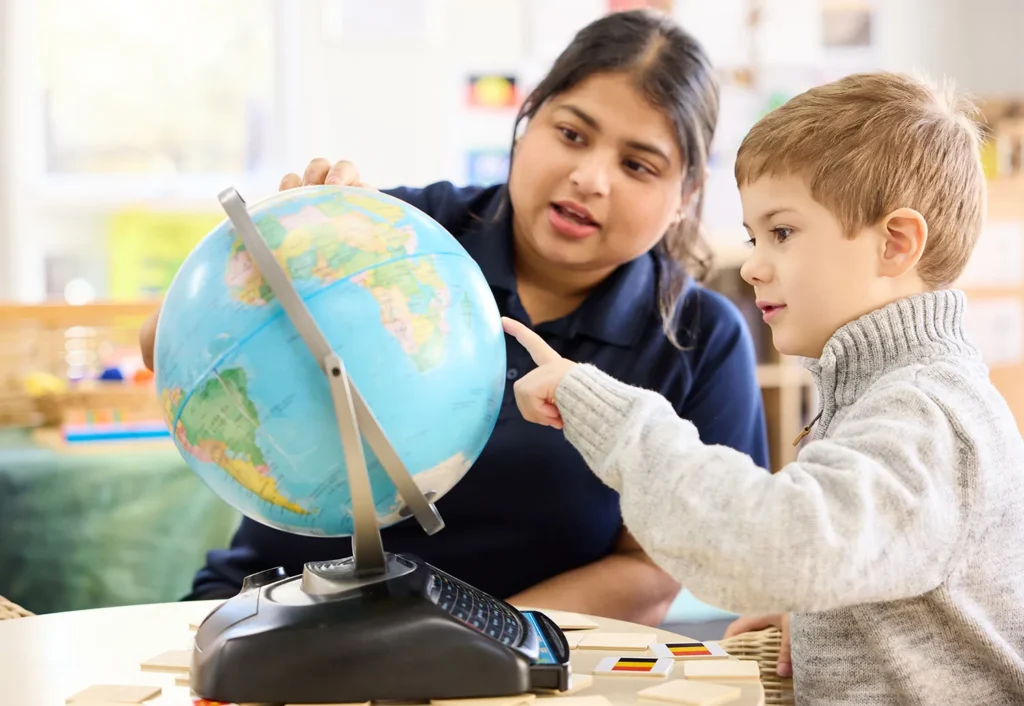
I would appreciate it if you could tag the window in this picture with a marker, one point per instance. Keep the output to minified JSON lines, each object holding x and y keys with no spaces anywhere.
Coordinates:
{"x":161,"y":87}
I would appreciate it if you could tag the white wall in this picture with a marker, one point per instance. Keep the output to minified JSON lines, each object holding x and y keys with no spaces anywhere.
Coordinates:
{"x":389,"y":107}
{"x":6,"y":160}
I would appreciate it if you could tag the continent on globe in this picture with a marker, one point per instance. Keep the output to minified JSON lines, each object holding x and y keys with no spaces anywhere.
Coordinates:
{"x":219,"y":425}
{"x":308,"y":246}
{"x":413,"y":300}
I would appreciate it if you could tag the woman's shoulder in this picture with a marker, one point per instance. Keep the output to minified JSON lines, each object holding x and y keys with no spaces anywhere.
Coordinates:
{"x":456,"y":208}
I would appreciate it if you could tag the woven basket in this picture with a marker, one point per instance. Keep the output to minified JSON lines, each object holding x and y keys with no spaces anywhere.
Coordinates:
{"x":9,"y":611}
{"x":763,"y":646}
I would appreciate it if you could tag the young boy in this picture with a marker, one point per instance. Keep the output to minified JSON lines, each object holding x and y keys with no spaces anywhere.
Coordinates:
{"x":896,"y":539}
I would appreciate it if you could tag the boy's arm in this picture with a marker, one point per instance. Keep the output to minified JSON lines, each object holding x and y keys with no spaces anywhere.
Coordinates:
{"x":871,"y":514}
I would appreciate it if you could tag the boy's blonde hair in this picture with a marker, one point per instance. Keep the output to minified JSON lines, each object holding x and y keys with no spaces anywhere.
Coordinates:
{"x":874,"y":142}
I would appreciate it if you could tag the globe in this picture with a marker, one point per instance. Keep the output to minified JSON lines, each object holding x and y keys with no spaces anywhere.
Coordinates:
{"x":397,"y":298}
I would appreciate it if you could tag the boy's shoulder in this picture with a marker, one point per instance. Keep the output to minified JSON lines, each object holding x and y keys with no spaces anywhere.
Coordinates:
{"x":949,"y":397}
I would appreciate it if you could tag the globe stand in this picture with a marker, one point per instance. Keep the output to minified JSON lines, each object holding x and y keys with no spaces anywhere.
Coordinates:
{"x":368,"y":563}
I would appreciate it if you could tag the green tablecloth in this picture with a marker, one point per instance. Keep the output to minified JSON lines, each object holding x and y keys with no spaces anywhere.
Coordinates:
{"x":126,"y":526}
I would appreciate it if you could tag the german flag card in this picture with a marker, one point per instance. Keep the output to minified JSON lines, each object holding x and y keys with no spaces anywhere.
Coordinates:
{"x":634,"y":667}
{"x":689,"y":650}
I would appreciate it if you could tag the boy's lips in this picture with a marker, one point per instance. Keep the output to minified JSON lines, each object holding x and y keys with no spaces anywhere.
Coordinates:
{"x":769,"y":310}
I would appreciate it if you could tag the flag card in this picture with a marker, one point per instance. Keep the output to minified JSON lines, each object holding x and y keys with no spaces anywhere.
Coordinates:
{"x":691,"y":693}
{"x":689,"y":650}
{"x":634,"y":667}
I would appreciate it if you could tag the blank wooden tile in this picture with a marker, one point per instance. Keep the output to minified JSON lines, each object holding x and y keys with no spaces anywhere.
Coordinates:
{"x":691,"y":693}
{"x":595,"y":700}
{"x":109,"y":693}
{"x":174,"y":661}
{"x":569,"y":621}
{"x":492,"y":701}
{"x":614,"y":641}
{"x":573,"y":638}
{"x":721,"y":669}
{"x":185,"y":680}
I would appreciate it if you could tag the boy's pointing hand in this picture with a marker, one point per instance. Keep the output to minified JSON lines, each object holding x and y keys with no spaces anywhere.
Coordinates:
{"x":535,"y":391}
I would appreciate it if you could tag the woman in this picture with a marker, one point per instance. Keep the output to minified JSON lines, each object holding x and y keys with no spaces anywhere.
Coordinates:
{"x":589,"y":244}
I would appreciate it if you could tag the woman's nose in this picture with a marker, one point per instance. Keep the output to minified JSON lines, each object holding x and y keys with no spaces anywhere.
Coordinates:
{"x":591,"y":175}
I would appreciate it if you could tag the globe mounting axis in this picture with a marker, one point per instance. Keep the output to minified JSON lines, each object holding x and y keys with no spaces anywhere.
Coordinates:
{"x":369,"y":562}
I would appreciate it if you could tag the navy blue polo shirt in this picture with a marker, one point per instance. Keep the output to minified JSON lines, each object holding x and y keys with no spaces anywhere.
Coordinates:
{"x":529,"y":508}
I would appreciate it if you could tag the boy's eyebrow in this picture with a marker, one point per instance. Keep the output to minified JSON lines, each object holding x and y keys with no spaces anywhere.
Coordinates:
{"x":592,"y":123}
{"x":771,"y":214}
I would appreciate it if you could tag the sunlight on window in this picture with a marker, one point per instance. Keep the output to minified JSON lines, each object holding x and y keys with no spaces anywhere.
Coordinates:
{"x":156,"y":87}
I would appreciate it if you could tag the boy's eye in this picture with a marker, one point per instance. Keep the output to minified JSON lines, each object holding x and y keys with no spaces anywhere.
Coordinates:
{"x":782,"y":232}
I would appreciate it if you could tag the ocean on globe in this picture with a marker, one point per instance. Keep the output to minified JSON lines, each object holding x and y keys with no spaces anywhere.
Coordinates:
{"x":396,"y":296}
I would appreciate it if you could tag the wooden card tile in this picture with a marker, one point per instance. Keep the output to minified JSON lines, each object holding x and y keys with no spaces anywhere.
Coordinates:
{"x":721,"y":669}
{"x":615,"y":641}
{"x":118,"y":694}
{"x":691,"y":693}
{"x":174,"y":661}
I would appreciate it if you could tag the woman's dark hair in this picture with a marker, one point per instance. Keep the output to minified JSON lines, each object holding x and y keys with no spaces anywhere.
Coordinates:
{"x":671,"y":70}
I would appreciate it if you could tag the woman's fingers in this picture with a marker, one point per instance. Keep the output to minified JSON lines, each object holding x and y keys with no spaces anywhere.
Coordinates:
{"x":316,"y":172}
{"x":343,"y":173}
{"x":320,"y":171}
{"x":290,"y":181}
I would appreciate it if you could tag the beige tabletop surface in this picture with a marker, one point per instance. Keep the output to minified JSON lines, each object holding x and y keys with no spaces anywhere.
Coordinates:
{"x":46,"y":659}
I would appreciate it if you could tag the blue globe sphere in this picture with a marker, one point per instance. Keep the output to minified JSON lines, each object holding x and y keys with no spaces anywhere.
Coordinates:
{"x":397,"y":297}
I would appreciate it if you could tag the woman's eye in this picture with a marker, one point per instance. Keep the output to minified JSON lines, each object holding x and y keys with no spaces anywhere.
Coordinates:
{"x":782,"y":232}
{"x":637,"y":167}
{"x":570,"y":134}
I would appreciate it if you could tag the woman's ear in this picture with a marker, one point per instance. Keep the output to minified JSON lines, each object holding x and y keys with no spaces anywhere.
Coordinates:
{"x":905,"y":233}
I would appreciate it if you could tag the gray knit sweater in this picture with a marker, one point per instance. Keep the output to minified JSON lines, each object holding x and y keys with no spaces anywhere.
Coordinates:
{"x":896,"y":538}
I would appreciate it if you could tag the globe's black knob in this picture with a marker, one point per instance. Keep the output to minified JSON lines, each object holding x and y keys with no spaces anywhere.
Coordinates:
{"x":263,"y":578}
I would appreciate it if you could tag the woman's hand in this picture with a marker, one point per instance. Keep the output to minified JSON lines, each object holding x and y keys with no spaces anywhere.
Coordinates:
{"x":535,"y":391}
{"x":321,"y":171}
{"x":748,"y":623}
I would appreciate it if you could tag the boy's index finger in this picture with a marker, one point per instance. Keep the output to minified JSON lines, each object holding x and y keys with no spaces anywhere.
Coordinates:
{"x":540,"y":351}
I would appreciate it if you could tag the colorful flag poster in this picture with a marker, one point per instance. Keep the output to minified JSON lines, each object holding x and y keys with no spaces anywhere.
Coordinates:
{"x":492,"y":91}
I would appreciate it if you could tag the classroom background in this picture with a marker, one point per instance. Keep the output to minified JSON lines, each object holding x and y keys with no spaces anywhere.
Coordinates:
{"x":116,"y":139}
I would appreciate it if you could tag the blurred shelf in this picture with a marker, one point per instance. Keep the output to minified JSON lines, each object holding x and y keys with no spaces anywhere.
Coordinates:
{"x":788,"y":374}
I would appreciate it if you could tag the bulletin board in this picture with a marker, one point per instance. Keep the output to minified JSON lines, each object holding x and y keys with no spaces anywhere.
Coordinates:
{"x":146,"y":248}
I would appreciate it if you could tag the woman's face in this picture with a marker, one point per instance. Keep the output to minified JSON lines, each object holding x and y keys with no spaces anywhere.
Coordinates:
{"x":597,"y":177}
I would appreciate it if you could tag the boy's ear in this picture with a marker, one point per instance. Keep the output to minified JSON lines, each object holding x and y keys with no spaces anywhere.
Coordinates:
{"x":906,"y":233}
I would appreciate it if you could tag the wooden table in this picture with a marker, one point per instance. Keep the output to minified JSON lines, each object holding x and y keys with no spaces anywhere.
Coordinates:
{"x":45,"y":659}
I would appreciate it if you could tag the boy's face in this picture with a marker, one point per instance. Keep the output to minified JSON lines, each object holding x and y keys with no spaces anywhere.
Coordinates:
{"x":809,"y":278}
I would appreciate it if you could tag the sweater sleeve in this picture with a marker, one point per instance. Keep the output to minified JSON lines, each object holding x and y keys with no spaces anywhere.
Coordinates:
{"x":873,"y":513}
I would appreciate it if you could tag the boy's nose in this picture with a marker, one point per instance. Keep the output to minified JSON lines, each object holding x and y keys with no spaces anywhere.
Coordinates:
{"x":756,"y":269}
